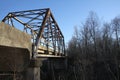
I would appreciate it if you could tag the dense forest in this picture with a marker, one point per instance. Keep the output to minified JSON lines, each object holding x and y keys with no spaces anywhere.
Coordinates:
{"x":94,"y":50}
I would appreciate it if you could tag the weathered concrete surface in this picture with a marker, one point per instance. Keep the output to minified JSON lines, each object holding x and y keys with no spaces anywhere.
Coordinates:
{"x":9,"y":36}
{"x":15,"y":48}
{"x":13,"y":59}
{"x":33,"y":71}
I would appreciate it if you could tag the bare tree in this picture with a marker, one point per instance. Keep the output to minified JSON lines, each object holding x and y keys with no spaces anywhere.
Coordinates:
{"x":116,"y":31}
{"x":94,"y":50}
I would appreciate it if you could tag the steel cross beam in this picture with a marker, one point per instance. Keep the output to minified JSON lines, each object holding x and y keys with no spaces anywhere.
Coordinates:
{"x":42,"y":27}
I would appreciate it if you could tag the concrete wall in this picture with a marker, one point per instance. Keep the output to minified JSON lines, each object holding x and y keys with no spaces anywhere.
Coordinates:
{"x":15,"y":48}
{"x":9,"y":36}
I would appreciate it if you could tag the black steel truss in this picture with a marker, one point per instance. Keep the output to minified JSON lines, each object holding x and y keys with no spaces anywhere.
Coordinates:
{"x":42,"y":27}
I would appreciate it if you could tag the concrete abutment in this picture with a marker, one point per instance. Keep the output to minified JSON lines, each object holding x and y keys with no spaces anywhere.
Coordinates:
{"x":33,"y":70}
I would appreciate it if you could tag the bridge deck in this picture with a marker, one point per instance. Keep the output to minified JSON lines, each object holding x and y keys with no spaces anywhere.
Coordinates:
{"x":11,"y":37}
{"x":49,"y":56}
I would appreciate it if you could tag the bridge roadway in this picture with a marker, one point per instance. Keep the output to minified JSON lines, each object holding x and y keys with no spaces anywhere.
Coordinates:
{"x":16,"y":49}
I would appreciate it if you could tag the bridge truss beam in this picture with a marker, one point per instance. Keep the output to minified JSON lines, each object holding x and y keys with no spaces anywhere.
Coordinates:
{"x":46,"y":35}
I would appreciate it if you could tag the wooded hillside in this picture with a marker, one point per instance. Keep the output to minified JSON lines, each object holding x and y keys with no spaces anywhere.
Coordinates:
{"x":94,"y":50}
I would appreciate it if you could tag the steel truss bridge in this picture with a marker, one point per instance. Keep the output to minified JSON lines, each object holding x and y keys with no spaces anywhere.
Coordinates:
{"x":46,"y":36}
